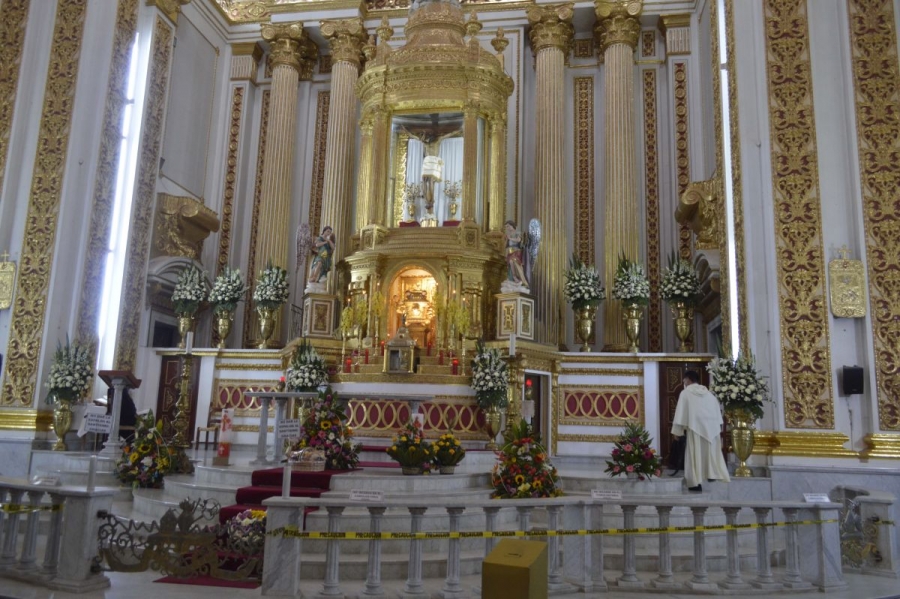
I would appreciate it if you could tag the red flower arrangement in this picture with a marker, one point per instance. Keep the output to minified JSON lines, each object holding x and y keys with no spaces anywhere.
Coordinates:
{"x":524,"y":469}
{"x":633,"y":454}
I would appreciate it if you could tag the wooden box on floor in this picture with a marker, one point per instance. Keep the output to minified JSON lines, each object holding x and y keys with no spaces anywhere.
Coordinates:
{"x":515,"y":569}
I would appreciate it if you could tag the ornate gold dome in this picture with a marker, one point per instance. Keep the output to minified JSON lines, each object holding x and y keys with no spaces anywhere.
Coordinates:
{"x":437,"y":68}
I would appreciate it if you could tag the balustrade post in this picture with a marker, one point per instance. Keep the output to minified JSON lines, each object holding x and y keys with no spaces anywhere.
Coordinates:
{"x":490,"y":525}
{"x":51,"y":551}
{"x":373,"y":573}
{"x":664,"y":580}
{"x":79,"y":542}
{"x":629,"y":567}
{"x":599,"y":582}
{"x":555,"y":578}
{"x":452,"y":588}
{"x":11,"y":529}
{"x":578,"y":551}
{"x":764,"y":578}
{"x":792,"y":578}
{"x":733,"y":579}
{"x":281,"y":568}
{"x":524,"y":517}
{"x":414,"y":587}
{"x":332,"y":585}
{"x":28,"y":560}
{"x":700,"y":579}
{"x":820,"y":560}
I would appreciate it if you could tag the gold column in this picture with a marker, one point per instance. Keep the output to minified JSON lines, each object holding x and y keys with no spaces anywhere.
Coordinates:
{"x":364,"y":177}
{"x":618,"y":30}
{"x":497,"y":199}
{"x":293,"y":56}
{"x":470,"y":161}
{"x":381,"y":151}
{"x":551,"y":39}
{"x":346,"y":38}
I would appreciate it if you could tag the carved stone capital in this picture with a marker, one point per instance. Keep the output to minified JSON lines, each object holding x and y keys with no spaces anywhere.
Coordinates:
{"x":289,"y":45}
{"x":182,"y":223}
{"x":551,"y":27}
{"x":170,"y":8}
{"x":698,"y":208}
{"x":346,"y":38}
{"x":617,"y":23}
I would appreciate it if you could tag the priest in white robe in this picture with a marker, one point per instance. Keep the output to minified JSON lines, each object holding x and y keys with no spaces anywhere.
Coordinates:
{"x":699,"y":416}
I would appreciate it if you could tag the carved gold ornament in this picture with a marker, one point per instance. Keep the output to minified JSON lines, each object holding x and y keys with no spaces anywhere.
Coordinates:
{"x":182,"y":223}
{"x":848,"y":286}
{"x":699,"y":209}
{"x":7,"y":281}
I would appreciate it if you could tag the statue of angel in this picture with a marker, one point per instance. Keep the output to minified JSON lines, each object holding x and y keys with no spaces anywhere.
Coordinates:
{"x":521,"y":253}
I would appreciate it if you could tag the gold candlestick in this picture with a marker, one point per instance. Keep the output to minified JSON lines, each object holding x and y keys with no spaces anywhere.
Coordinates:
{"x":181,"y":464}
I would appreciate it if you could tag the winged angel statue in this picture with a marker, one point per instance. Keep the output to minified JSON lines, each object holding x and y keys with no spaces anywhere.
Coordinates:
{"x":521,"y":254}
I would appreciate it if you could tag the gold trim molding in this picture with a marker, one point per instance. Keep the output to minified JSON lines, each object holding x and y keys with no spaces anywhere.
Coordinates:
{"x":881,"y":446}
{"x":651,"y":193}
{"x":26,"y":326}
{"x":876,"y":80}
{"x":583,"y":101}
{"x":26,"y":420}
{"x":799,"y":245}
{"x":810,"y":444}
{"x":13,"y":18}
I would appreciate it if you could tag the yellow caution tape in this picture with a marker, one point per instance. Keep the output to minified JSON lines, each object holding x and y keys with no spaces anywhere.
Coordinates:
{"x":16,"y":508}
{"x":293,"y":532}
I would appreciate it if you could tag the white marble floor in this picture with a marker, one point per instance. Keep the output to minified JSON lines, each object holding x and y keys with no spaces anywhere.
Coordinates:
{"x":129,"y":586}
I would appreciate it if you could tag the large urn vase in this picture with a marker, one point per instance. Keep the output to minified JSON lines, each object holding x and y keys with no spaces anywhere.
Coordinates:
{"x":62,"y":422}
{"x":584,"y":324}
{"x":223,"y":327}
{"x":492,"y":426}
{"x":684,"y":318}
{"x":742,"y":439}
{"x":266,"y":325}
{"x":185,"y":324}
{"x":632,"y":315}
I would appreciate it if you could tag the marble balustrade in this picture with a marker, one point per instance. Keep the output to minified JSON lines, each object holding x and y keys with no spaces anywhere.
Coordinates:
{"x":583,"y":565}
{"x":71,"y":538}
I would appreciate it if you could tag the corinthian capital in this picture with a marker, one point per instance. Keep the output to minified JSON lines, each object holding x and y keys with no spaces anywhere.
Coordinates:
{"x":551,"y":26}
{"x":347,"y":38}
{"x":289,"y":45}
{"x":617,"y":22}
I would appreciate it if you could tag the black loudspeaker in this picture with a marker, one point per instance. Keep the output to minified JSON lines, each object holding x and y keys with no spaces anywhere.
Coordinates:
{"x":852,"y":380}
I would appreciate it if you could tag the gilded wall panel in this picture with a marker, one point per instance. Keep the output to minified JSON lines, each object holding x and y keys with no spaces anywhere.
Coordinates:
{"x":145,"y":196}
{"x":13,"y":16}
{"x":38,"y":246}
{"x":597,"y":405}
{"x":876,"y":82}
{"x":651,"y":186}
{"x":682,"y":149}
{"x":382,"y":418}
{"x":105,"y":182}
{"x":318,"y":172}
{"x":805,"y":346}
{"x":248,"y":333}
{"x":584,"y":169}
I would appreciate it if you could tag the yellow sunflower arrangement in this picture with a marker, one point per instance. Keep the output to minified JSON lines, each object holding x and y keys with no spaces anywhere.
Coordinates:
{"x":146,"y":460}
{"x":410,"y":449}
{"x":448,"y":451}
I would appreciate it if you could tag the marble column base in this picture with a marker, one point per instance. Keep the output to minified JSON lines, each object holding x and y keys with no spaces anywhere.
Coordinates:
{"x":408,"y":595}
{"x":736,"y":586}
{"x":668,"y":584}
{"x":561,"y":588}
{"x":460,"y":594}
{"x":702,"y":587}
{"x":630,"y":584}
{"x":767,"y":586}
{"x":94,"y":583}
{"x":799,"y":585}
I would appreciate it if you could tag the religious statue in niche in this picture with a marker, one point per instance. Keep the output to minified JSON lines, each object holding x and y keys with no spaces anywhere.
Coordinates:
{"x":323,"y":247}
{"x":432,"y":164}
{"x":521,"y":253}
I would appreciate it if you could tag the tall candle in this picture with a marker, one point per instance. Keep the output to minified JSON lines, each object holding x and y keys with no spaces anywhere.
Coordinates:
{"x":286,"y":481}
{"x":189,"y":343}
{"x":92,"y":473}
{"x":512,"y":344}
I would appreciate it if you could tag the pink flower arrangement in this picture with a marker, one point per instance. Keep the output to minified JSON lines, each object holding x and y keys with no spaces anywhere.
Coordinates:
{"x":633,"y":454}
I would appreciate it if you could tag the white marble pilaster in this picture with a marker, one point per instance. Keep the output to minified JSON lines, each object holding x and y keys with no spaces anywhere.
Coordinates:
{"x":28,"y":561}
{"x":792,"y":579}
{"x":281,"y":568}
{"x":452,"y":589}
{"x":764,"y":579}
{"x":373,"y":571}
{"x":332,"y":585}
{"x":664,"y":579}
{"x":733,"y":579}
{"x":490,"y":525}
{"x":700,"y":579}
{"x":819,"y":563}
{"x":79,"y":542}
{"x":11,"y":530}
{"x":413,"y":589}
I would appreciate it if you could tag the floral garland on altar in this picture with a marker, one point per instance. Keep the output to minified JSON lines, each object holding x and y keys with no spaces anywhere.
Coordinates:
{"x":524,"y":470}
{"x":739,"y":385}
{"x":631,"y":284}
{"x":680,"y":282}
{"x":307,"y":371}
{"x":71,"y":373}
{"x":583,"y":287}
{"x":271,"y":288}
{"x":633,"y":455}
{"x":228,"y":289}
{"x":326,"y":428}
{"x":189,"y":292}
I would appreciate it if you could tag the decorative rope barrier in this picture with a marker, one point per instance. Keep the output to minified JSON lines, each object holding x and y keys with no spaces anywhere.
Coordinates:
{"x":16,"y":508}
{"x":293,"y":532}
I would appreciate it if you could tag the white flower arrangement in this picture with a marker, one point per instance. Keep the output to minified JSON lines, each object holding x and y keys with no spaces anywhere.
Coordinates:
{"x":271,"y":287}
{"x":71,"y":373}
{"x":631,"y":285}
{"x":227,"y":290}
{"x":680,"y":282}
{"x":583,"y":286}
{"x":739,"y":385}
{"x":189,"y":292}
{"x":490,"y":377}
{"x":307,"y":371}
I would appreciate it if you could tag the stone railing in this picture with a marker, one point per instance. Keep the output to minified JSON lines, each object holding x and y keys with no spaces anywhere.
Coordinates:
{"x":815,"y":527}
{"x":71,"y":540}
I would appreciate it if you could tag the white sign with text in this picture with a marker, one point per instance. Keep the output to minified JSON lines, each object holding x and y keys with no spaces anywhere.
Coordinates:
{"x":604,"y":494}
{"x":816,"y":498}
{"x":289,"y":429}
{"x":98,"y":423}
{"x":361,"y":495}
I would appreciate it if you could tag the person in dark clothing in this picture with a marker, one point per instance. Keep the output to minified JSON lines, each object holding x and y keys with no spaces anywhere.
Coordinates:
{"x":127,"y":415}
